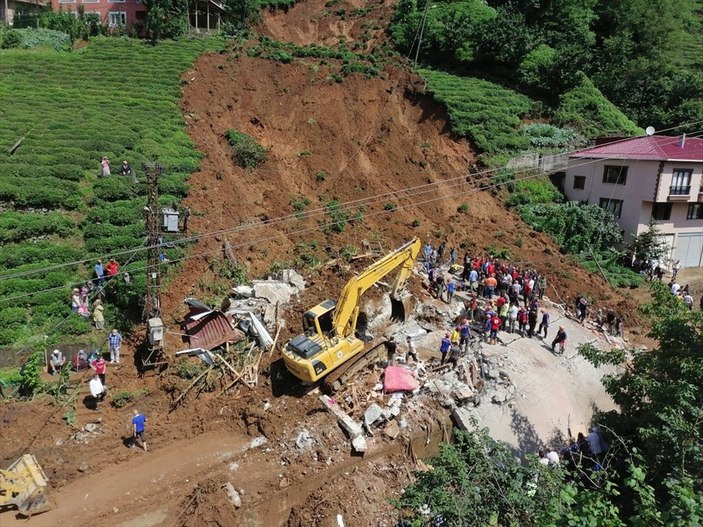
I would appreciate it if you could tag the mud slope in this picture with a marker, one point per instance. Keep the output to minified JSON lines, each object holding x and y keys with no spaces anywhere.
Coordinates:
{"x":370,"y":137}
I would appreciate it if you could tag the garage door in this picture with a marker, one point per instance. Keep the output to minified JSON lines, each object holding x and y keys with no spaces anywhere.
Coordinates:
{"x":689,"y":249}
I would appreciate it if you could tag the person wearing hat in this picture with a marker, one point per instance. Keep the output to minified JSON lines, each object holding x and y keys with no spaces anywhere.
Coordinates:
{"x":114,"y":341}
{"x":56,"y":361}
{"x":126,"y":169}
{"x":75,"y":300}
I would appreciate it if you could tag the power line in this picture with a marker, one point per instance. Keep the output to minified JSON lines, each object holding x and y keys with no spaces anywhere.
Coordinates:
{"x":369,"y":200}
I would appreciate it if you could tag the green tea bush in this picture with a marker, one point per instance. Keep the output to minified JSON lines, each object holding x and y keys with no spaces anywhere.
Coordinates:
{"x":586,"y":109}
{"x":485,"y":112}
{"x":44,"y":38}
{"x":548,"y":136}
{"x":533,"y":191}
{"x":248,"y":153}
{"x":74,"y":109}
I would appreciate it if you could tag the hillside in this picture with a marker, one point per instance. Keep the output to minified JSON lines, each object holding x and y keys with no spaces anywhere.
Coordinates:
{"x":357,"y":151}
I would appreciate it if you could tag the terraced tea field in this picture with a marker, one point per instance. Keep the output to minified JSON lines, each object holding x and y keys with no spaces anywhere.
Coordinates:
{"x":116,"y":98}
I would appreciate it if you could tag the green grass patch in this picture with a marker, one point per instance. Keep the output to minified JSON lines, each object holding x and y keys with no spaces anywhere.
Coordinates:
{"x":248,"y":153}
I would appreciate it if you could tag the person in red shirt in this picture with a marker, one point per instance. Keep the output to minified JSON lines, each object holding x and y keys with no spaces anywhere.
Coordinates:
{"x":495,"y":326}
{"x":100,"y":366}
{"x":112,"y":267}
{"x":501,"y":300}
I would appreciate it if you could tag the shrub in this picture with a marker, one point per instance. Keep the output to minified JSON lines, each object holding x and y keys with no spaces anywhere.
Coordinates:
{"x":299,"y":205}
{"x":533,"y":191}
{"x":12,"y":39}
{"x":247,"y":151}
{"x":187,"y":369}
{"x":389,"y":206}
{"x":537,"y":68}
{"x":463,"y":208}
{"x":337,"y":214}
{"x":320,"y":175}
{"x":548,"y":136}
{"x":30,"y":375}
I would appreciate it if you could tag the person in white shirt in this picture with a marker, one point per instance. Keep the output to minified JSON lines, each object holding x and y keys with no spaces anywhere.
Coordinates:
{"x":412,"y":351}
{"x":675,"y":287}
{"x":97,"y":390}
{"x":512,"y":317}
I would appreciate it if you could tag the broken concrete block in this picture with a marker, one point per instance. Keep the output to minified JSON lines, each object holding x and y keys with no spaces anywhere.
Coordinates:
{"x":372,"y":414}
{"x":462,"y":419}
{"x":392,"y":430}
{"x":294,"y":278}
{"x":243,"y":291}
{"x":274,"y":292}
{"x":463,"y":393}
{"x":90,"y":427}
{"x":492,"y":373}
{"x":354,"y":430}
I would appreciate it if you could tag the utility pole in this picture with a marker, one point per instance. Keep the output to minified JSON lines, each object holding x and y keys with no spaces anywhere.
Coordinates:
{"x":152,"y":305}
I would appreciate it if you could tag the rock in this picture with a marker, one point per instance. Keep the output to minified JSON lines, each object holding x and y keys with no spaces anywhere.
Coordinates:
{"x":403,"y":423}
{"x":83,"y":468}
{"x":492,"y":374}
{"x":284,"y":483}
{"x":232,"y":494}
{"x":304,"y":440}
{"x":504,"y":374}
{"x":392,"y":430}
{"x":90,"y":427}
{"x":395,"y":411}
{"x":372,"y":414}
{"x":115,"y":510}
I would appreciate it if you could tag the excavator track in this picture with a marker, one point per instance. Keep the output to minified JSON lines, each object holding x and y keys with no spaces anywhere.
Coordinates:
{"x":339,"y":377}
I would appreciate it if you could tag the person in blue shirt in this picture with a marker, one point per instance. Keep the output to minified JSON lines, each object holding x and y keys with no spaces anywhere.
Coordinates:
{"x":451,"y":289}
{"x":444,"y":347}
{"x":99,"y":272}
{"x":138,"y":425}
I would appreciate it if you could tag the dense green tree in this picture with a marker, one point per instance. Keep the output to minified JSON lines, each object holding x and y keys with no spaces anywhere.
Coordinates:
{"x":240,"y":14}
{"x":166,"y":18}
{"x":650,"y":245}
{"x":659,"y":393}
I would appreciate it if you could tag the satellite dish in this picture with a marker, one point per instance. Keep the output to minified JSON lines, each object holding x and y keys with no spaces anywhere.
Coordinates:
{"x":650,"y":130}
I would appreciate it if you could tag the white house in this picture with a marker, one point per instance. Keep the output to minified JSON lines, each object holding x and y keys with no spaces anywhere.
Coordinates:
{"x":652,"y":176}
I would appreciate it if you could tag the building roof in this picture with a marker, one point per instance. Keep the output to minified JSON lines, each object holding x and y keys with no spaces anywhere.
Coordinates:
{"x":650,"y":147}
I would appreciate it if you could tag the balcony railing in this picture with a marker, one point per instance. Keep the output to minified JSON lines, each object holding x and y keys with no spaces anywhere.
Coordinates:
{"x":682,"y":190}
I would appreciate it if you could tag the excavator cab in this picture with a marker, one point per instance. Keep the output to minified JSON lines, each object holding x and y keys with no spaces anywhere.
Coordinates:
{"x":319,"y":320}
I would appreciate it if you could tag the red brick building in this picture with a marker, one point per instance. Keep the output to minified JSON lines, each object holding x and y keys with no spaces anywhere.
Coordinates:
{"x":112,"y":12}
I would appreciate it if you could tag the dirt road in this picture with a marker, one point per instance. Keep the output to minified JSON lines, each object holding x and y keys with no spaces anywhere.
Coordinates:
{"x":155,"y":481}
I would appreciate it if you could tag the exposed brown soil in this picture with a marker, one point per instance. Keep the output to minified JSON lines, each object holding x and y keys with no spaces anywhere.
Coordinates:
{"x":371,"y":137}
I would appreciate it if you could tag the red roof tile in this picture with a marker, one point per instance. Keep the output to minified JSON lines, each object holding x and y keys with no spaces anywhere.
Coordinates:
{"x":651,"y":147}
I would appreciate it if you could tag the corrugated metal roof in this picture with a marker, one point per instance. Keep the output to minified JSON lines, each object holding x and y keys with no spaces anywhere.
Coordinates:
{"x":210,"y":330}
{"x":651,"y":147}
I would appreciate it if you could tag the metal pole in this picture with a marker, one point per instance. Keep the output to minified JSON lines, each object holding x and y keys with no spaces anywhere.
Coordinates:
{"x":152,"y":306}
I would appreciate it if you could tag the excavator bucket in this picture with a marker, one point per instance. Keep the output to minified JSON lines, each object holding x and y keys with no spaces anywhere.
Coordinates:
{"x":401,"y":307}
{"x":24,"y":484}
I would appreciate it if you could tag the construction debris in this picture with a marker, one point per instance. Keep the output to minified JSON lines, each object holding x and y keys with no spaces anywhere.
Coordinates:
{"x":232,"y":494}
{"x":354,"y":430}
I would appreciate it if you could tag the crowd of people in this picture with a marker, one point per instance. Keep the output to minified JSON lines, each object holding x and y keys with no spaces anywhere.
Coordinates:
{"x":95,"y":288}
{"x":502,"y":297}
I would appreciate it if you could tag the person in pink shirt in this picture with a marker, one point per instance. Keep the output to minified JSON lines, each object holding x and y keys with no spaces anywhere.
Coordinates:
{"x":99,"y":365}
{"x":105,"y":164}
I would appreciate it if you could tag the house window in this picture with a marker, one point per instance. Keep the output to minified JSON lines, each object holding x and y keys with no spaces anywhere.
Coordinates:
{"x":681,"y":182}
{"x":580,"y":182}
{"x":614,"y":174}
{"x":90,"y":2}
{"x":695,"y":211}
{"x":117,"y":18}
{"x":614,"y":206}
{"x":661,"y":211}
{"x":67,"y":1}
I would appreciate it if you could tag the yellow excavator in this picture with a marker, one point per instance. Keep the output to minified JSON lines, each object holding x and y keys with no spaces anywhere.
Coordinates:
{"x":329,"y":346}
{"x":23,"y":485}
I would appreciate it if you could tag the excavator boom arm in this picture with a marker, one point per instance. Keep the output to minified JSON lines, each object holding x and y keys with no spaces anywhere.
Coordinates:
{"x":348,"y":304}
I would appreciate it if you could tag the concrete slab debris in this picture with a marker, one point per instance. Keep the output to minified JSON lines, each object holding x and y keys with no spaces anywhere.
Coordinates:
{"x":462,"y":419}
{"x":352,"y":427}
{"x":372,"y":414}
{"x":274,"y":291}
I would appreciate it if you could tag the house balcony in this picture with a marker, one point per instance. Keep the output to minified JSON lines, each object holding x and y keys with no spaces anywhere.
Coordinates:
{"x":679,"y":193}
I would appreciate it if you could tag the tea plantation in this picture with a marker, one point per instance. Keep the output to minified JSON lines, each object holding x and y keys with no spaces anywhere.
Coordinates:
{"x":116,"y":98}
